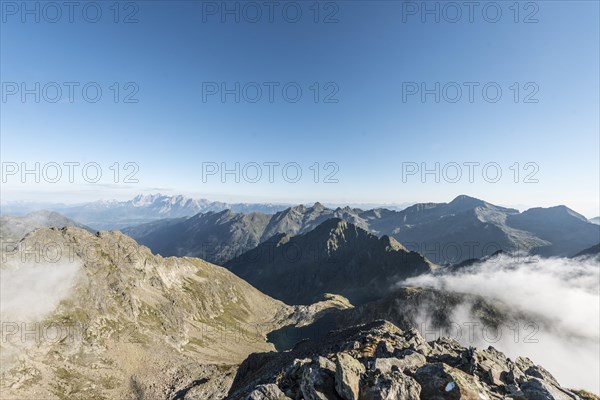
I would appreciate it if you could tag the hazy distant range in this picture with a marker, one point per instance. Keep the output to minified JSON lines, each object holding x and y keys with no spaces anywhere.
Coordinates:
{"x":114,"y":214}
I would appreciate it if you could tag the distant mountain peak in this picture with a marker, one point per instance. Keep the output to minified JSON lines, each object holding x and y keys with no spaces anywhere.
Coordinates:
{"x":556,"y":211}
{"x":146,"y":198}
{"x":299,"y":208}
{"x":571,"y":212}
{"x":465,"y":200}
{"x":318,"y":206}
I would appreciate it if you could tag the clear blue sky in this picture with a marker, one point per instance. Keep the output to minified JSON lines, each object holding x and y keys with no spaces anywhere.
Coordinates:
{"x":176,"y":46}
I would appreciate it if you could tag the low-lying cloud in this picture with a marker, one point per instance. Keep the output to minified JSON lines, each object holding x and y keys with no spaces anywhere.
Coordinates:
{"x":30,"y":291}
{"x":564,"y":293}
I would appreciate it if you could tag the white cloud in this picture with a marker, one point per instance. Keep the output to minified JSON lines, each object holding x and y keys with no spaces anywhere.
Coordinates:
{"x":30,"y":291}
{"x":562,"y":291}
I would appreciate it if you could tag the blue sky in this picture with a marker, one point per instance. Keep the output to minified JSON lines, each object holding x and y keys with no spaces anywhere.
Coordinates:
{"x":372,"y":53}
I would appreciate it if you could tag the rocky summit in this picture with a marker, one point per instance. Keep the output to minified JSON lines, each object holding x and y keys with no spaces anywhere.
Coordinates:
{"x":379,"y":361}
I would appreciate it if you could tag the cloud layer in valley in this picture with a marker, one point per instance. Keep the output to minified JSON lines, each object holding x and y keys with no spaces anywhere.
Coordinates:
{"x":564,"y":293}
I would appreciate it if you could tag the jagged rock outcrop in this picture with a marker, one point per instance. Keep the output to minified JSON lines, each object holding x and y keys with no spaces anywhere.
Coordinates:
{"x":380,"y":361}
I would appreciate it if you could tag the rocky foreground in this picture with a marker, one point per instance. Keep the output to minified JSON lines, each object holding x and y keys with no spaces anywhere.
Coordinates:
{"x":380,"y":361}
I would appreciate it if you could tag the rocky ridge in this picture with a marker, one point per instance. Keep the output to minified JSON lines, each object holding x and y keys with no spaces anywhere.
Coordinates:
{"x":380,"y":361}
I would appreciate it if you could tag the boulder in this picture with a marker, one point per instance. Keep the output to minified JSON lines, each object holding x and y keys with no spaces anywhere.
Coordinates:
{"x":441,"y":381}
{"x":267,"y":392}
{"x":390,"y":386}
{"x":538,"y":389}
{"x":347,"y":376}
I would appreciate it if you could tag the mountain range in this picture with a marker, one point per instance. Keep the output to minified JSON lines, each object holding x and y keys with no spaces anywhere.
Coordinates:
{"x":113,"y":214}
{"x":445,"y":233}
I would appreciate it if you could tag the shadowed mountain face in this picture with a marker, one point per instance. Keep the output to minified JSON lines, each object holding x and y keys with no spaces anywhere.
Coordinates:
{"x":452,"y":232}
{"x":215,"y":237}
{"x":593,"y":251}
{"x":567,"y":231}
{"x":336,"y":257}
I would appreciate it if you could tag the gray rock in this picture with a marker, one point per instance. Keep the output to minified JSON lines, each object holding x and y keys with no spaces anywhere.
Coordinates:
{"x":416,"y":342}
{"x":347,"y":376}
{"x":441,"y":381}
{"x":267,"y":392}
{"x":317,"y":383}
{"x":536,"y":371}
{"x":410,"y":362}
{"x":384,"y":349}
{"x":493,"y":367}
{"x":538,"y":389}
{"x":325,"y":363}
{"x":390,"y":386}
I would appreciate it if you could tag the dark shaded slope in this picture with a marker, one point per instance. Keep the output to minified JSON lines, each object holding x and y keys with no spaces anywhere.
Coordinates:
{"x":336,"y":257}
